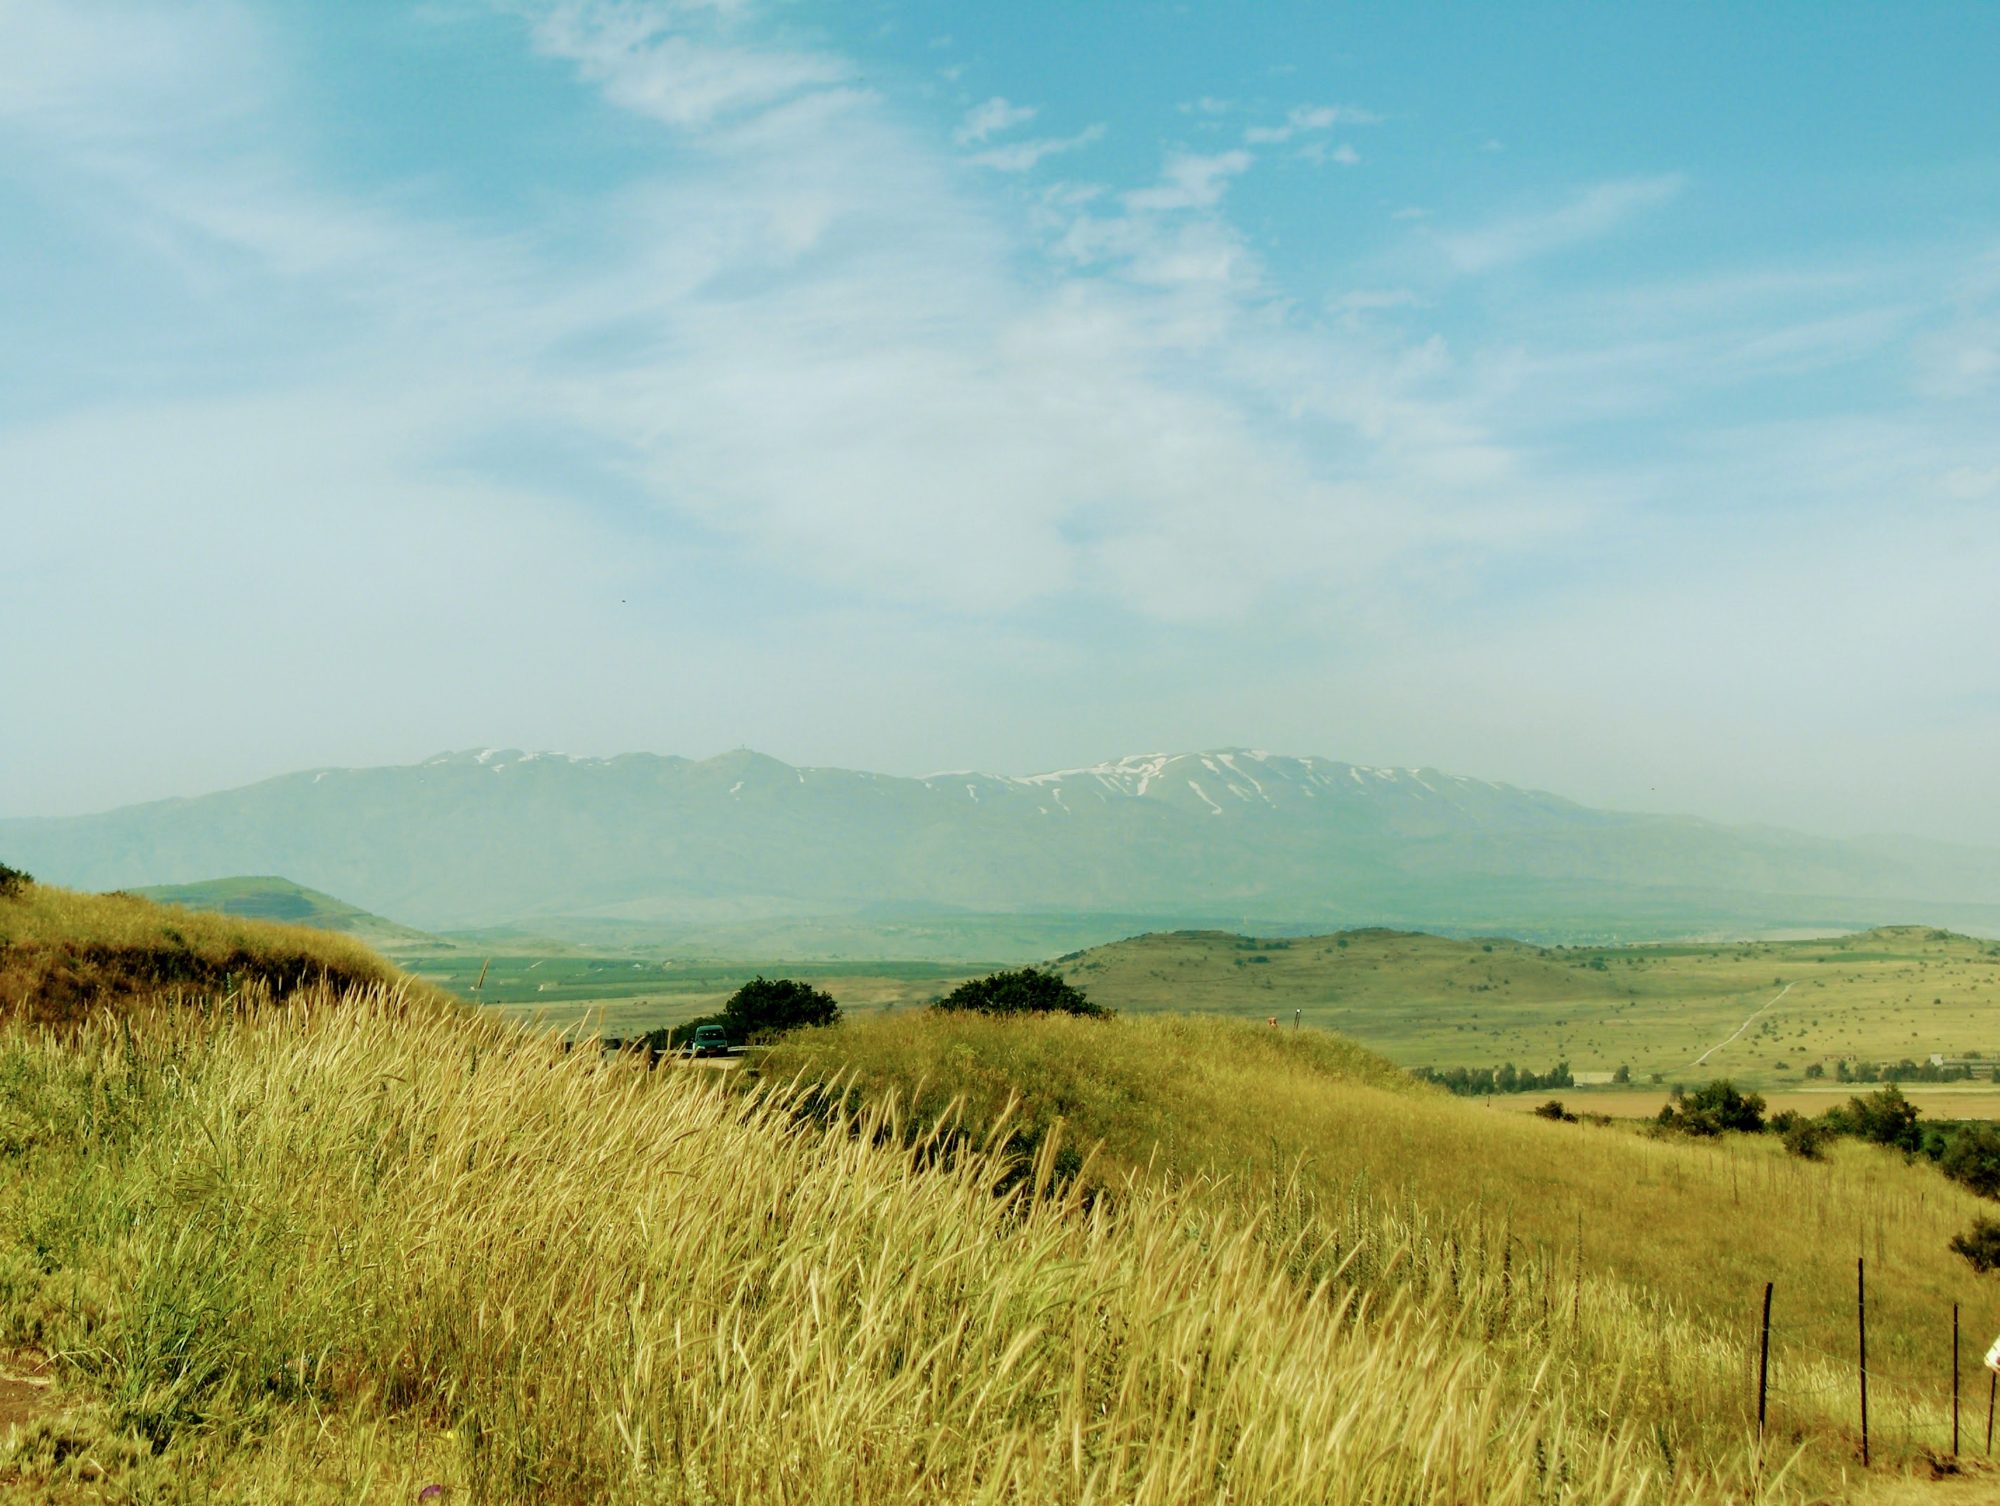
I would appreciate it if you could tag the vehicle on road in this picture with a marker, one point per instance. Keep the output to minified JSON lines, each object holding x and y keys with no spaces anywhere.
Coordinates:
{"x":709,"y":1040}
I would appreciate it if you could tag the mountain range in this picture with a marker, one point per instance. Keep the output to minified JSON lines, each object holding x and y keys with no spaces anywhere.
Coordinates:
{"x":674,"y":847}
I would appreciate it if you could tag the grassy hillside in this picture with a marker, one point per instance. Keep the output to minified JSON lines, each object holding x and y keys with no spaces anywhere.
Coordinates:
{"x":326,"y":1254}
{"x":1674,"y":1011}
{"x":1652,"y":1252}
{"x":341,"y":1248}
{"x":64,"y":954}
{"x":281,"y":900}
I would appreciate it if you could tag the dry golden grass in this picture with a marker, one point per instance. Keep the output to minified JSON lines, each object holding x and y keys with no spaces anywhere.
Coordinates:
{"x":326,"y":1245}
{"x":1673,"y":1239}
{"x":64,"y":953}
{"x":537,"y":1277}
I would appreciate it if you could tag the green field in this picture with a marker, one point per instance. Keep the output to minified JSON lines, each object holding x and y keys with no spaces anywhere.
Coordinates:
{"x":627,"y":995}
{"x":1761,"y":1012}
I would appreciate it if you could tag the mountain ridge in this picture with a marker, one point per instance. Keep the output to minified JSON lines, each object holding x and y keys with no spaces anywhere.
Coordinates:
{"x":489,"y":836}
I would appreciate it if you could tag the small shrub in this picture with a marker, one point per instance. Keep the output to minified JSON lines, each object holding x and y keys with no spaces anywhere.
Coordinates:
{"x":13,"y":881}
{"x":1980,"y":1245}
{"x":1805,"y":1138}
{"x":1024,"y":990}
{"x":1553,"y":1109}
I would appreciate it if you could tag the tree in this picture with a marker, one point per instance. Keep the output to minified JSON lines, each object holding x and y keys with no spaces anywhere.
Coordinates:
{"x":1024,"y":990}
{"x":1884,"y":1118}
{"x":771,"y":1006}
{"x":13,"y":881}
{"x":1714,"y":1108}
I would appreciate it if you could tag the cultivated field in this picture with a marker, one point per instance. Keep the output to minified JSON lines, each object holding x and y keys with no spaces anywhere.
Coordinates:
{"x":583,"y":992}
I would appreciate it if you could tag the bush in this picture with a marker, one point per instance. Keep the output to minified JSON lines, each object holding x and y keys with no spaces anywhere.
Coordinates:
{"x":1025,"y":990}
{"x":1803,"y":1137}
{"x":1973,"y":1159}
{"x":1714,"y":1108}
{"x":765,"y":1007}
{"x":1980,"y":1244}
{"x":1553,"y":1109}
{"x":13,"y":881}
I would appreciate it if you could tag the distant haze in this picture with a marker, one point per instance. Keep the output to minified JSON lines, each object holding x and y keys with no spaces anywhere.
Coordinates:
{"x":745,"y":853}
{"x":1597,"y":399}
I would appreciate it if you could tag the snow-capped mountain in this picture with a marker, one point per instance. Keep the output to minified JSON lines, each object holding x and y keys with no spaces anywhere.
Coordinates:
{"x":499,"y":835}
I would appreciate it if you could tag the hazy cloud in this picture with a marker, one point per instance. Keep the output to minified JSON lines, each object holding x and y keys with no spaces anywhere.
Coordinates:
{"x":1596,"y":211}
{"x":1020,"y":156}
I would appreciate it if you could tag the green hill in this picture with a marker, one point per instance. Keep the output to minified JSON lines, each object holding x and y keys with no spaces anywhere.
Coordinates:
{"x":279,"y":899}
{"x":1763,"y":1012}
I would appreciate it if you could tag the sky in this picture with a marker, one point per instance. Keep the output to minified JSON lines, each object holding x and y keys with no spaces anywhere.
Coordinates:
{"x":1604,"y":399}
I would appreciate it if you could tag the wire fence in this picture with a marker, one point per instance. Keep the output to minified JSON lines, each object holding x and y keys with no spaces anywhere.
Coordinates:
{"x":1803,"y":1386}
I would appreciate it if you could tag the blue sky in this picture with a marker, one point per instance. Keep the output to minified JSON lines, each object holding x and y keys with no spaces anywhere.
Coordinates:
{"x":1600,"y":398}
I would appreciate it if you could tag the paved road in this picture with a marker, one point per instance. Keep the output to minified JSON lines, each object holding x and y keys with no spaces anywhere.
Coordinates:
{"x":1741,"y":1028}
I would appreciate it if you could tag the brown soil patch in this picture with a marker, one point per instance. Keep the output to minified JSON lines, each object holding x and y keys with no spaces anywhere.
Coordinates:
{"x":26,"y":1392}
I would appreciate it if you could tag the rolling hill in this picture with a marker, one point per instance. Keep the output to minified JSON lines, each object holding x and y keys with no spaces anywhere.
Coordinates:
{"x":279,"y":899}
{"x":1243,"y":839}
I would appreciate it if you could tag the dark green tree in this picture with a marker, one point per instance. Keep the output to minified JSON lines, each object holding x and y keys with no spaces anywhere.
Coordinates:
{"x":765,"y":1007}
{"x":1024,"y":990}
{"x":1884,"y":1118}
{"x":1713,"y":1108}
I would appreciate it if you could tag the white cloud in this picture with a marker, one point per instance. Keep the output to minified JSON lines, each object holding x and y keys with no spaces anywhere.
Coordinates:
{"x":1320,"y":152}
{"x":1595,"y":212}
{"x":1020,"y":156}
{"x":1190,"y":180}
{"x":1303,"y":119}
{"x":982,"y":121}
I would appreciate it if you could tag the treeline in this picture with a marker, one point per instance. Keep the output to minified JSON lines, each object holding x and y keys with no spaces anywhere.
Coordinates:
{"x":1478,"y":1082}
{"x":1968,"y":1153}
{"x":1909,"y":1071}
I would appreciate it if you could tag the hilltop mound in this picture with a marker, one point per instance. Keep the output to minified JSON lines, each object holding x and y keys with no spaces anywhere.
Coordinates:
{"x":63,"y":954}
{"x":269,"y":897}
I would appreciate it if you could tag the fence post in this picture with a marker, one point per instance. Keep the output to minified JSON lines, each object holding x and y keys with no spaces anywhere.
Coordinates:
{"x":1764,"y":1363}
{"x":1861,"y":1323}
{"x":1954,"y":1380}
{"x":1992,"y":1391}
